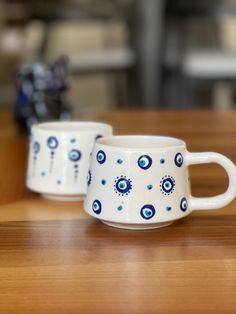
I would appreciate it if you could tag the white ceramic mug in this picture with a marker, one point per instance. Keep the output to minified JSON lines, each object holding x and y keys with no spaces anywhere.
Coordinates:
{"x":142,"y":182}
{"x":59,"y":157}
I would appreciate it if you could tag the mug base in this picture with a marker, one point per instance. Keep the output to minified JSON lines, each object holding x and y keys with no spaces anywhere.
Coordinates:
{"x":137,"y":226}
{"x":63,"y":198}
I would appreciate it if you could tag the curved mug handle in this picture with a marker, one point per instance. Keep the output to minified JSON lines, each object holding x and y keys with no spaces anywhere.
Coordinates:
{"x":217,"y":201}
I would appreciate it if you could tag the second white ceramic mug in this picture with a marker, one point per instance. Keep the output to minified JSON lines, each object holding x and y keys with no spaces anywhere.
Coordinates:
{"x":142,"y":182}
{"x":59,"y":158}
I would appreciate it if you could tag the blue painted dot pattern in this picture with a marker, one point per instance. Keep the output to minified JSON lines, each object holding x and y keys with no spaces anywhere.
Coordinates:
{"x":75,"y":155}
{"x":73,"y":140}
{"x":144,"y":162}
{"x":184,"y":204}
{"x":103,"y":181}
{"x":36,"y":147}
{"x":147,"y":211}
{"x":179,"y":160}
{"x":167,"y":185}
{"x":122,"y":186}
{"x":97,"y":207}
{"x":52,"y":142}
{"x":101,"y":156}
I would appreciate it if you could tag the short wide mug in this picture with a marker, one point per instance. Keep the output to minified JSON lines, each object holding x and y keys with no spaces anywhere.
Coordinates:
{"x":59,"y":158}
{"x":142,"y":182}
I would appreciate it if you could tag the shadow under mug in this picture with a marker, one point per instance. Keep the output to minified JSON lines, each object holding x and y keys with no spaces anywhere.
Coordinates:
{"x":142,"y":182}
{"x":59,"y":157}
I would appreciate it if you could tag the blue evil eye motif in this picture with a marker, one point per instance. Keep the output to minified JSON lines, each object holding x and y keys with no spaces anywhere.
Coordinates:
{"x":122,"y":185}
{"x":74,"y":155}
{"x":167,"y":185}
{"x":89,"y":178}
{"x":97,"y":207}
{"x":184,"y":204}
{"x":101,"y":156}
{"x":145,"y":162}
{"x":52,"y":142}
{"x":179,"y":159}
{"x":36,"y":147}
{"x":147,"y":211}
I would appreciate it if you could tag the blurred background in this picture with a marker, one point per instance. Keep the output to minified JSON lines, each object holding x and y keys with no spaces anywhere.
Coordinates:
{"x":125,"y":53}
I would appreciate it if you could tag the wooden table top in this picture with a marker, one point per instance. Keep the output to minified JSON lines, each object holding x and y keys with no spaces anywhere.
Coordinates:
{"x":54,"y":258}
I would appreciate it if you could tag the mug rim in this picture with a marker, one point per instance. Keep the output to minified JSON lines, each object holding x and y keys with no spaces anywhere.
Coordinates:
{"x":61,"y":127}
{"x":107,"y":142}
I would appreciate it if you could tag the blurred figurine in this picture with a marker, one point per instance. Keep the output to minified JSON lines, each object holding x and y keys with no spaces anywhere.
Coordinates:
{"x":41,"y":93}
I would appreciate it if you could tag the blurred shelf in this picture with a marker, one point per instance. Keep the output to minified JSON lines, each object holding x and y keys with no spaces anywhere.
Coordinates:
{"x":106,"y":60}
{"x":209,"y":65}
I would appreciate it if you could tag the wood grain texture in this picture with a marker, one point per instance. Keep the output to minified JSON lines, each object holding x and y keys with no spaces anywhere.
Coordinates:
{"x":13,"y":158}
{"x":54,"y":258}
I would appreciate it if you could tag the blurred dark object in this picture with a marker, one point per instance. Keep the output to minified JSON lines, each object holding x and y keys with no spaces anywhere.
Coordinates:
{"x":41,"y":93}
{"x":213,"y":9}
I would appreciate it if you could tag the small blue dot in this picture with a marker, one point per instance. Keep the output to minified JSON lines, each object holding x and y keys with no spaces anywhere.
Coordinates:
{"x":59,"y":182}
{"x":73,"y":140}
{"x":43,"y":173}
{"x":168,"y":208}
{"x":103,"y":181}
{"x":162,"y":160}
{"x":149,"y":186}
{"x":119,"y":161}
{"x":120,"y":208}
{"x":76,"y":166}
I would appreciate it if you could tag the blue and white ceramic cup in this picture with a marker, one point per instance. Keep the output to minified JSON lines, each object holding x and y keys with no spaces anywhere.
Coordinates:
{"x":59,"y":158}
{"x":142,"y":182}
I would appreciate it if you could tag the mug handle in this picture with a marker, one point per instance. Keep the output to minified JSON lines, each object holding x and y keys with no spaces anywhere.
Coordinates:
{"x":220,"y":200}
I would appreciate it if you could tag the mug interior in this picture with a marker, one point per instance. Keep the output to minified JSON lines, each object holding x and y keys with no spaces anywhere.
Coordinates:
{"x":141,"y":141}
{"x":72,"y":126}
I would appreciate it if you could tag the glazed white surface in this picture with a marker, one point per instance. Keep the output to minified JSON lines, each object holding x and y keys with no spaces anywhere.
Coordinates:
{"x":167,"y":206}
{"x":55,"y":173}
